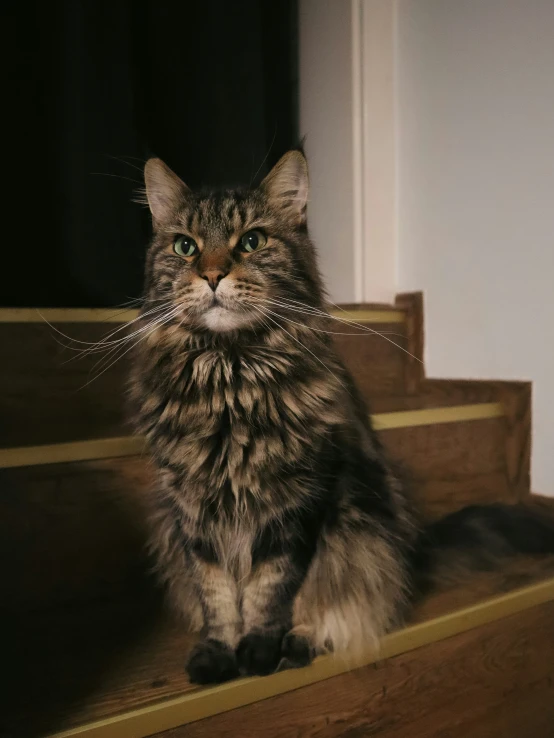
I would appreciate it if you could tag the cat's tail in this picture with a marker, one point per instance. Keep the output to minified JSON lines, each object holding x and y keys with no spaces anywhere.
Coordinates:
{"x":479,"y":538}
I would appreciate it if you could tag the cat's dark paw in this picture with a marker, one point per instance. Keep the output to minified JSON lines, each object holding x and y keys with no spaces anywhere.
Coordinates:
{"x":212,"y":662}
{"x":259,"y":653}
{"x":296,"y":652}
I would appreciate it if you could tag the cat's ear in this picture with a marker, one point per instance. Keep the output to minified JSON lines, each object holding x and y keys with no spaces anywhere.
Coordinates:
{"x":164,"y":190}
{"x":286,"y":186}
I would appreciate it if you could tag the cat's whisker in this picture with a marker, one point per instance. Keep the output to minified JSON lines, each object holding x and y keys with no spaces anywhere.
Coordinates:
{"x":102,"y":348}
{"x":108,"y":354}
{"x":88,"y":343}
{"x":105,"y":343}
{"x":124,"y":326}
{"x":140,"y":197}
{"x":120,"y":343}
{"x":321,"y":314}
{"x":321,"y":330}
{"x":103,"y":359}
{"x":300,"y":343}
{"x":111,"y":347}
{"x":361,"y":326}
{"x":265,"y":157}
{"x":120,"y":311}
{"x":304,"y":309}
{"x":117,"y":176}
{"x":121,"y":159}
{"x":154,"y":326}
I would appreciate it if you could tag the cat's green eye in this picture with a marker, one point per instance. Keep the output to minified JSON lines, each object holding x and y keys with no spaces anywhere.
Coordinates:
{"x":185,"y":246}
{"x":252,"y":241}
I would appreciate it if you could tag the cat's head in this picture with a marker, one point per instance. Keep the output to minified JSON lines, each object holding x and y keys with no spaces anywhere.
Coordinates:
{"x":231,"y":259}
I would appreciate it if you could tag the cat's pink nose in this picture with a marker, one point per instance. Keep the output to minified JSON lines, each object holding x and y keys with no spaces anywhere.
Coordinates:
{"x":213,"y":277}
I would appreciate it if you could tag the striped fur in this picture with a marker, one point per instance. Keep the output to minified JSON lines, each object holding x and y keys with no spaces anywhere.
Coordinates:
{"x":279,"y":526}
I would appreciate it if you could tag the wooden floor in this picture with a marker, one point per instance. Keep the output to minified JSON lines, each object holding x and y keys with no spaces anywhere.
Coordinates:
{"x":79,"y":666}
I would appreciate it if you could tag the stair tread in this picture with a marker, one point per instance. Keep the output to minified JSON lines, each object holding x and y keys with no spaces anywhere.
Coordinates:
{"x":134,"y":654}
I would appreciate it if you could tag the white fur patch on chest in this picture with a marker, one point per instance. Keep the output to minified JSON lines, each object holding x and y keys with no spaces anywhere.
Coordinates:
{"x":221,"y":320}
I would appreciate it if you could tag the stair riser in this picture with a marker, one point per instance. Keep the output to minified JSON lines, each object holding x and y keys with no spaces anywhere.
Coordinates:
{"x":452,"y":465}
{"x":51,"y":396}
{"x":376,"y":362}
{"x":71,"y":532}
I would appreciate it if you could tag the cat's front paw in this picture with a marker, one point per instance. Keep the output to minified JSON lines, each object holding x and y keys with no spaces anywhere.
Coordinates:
{"x":296,"y":652}
{"x":260,"y":652}
{"x":212,"y":662}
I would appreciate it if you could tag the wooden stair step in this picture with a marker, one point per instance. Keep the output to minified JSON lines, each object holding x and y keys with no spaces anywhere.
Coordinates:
{"x":494,"y":632}
{"x":54,"y":515}
{"x":52,"y":395}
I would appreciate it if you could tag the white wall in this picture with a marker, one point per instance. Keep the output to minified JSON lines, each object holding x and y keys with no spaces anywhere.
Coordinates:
{"x":326,"y":119}
{"x":347,"y":114}
{"x":475,"y":159}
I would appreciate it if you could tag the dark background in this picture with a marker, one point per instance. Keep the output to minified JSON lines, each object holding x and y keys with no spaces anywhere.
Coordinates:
{"x":91,"y":89}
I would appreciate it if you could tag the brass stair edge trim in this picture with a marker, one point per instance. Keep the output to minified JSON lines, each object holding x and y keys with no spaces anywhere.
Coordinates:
{"x":66,"y":315}
{"x":437,"y":415}
{"x":74,"y":451}
{"x":207,"y":702}
{"x":106,"y":448}
{"x":120,"y":315}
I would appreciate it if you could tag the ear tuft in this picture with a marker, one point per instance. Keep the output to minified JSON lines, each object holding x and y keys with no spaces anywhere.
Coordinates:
{"x":164,"y":190}
{"x":287,"y":187}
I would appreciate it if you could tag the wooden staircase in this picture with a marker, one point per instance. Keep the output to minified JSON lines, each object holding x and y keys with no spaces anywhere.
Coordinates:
{"x":90,"y":651}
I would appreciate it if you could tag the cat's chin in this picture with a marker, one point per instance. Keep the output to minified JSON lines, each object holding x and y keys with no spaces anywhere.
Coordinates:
{"x":220,"y":320}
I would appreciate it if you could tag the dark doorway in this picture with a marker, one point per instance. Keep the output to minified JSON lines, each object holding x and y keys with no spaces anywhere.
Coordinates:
{"x":91,"y":89}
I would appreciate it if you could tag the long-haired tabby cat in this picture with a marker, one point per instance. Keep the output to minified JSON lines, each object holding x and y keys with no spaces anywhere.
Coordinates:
{"x":280,"y":528}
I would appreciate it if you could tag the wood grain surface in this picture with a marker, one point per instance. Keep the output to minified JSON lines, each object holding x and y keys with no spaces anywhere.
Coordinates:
{"x":496,"y":681}
{"x":49,"y":394}
{"x":414,"y":369}
{"x":454,"y":464}
{"x":75,"y":665}
{"x":377,"y":362}
{"x":516,"y":399}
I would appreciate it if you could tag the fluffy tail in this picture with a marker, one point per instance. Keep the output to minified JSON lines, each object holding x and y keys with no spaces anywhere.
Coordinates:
{"x":478,"y":538}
